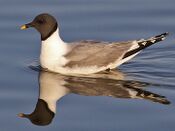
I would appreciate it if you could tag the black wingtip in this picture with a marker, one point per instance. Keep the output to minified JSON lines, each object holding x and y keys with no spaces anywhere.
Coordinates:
{"x":146,"y":43}
{"x":166,"y":33}
{"x":162,"y":35}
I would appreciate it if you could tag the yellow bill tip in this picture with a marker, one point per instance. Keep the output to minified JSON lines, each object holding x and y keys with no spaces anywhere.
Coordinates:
{"x":23,"y":27}
{"x":20,"y":115}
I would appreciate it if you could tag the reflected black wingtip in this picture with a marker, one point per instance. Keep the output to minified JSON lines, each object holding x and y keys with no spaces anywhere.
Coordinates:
{"x":166,"y":102}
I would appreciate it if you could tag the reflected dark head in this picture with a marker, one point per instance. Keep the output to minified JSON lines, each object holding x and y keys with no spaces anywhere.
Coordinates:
{"x":41,"y":116}
{"x":45,"y":24}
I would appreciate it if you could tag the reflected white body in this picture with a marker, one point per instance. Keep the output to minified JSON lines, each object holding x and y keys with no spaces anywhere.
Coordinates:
{"x":51,"y":89}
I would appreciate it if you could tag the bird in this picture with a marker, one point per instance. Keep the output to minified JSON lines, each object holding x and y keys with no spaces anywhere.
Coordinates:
{"x":86,"y":56}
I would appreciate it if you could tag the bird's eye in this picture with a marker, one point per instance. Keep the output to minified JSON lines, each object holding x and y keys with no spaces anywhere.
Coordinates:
{"x":40,"y":21}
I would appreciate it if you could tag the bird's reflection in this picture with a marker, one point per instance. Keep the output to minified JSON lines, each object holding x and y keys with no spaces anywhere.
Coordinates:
{"x":54,"y":86}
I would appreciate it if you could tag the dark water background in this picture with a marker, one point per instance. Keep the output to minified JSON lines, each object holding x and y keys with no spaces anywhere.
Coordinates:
{"x":108,"y":20}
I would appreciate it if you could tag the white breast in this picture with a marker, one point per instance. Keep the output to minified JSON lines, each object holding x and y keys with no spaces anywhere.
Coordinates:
{"x":52,"y":51}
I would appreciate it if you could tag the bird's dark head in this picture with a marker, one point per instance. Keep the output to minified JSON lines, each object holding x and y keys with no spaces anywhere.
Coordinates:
{"x":45,"y":24}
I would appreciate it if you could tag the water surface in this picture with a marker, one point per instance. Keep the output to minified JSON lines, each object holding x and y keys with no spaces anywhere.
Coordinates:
{"x":98,"y":20}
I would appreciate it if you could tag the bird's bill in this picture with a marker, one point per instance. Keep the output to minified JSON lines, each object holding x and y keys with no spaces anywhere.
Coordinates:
{"x":23,"y":27}
{"x":21,"y":115}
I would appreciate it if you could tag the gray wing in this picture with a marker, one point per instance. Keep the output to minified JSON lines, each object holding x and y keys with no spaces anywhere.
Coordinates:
{"x":91,"y":53}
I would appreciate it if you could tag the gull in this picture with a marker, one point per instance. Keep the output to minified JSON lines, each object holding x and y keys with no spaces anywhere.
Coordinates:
{"x":82,"y":57}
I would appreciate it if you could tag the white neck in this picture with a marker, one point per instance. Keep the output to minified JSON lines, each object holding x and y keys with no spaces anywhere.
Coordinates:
{"x":52,"y":49}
